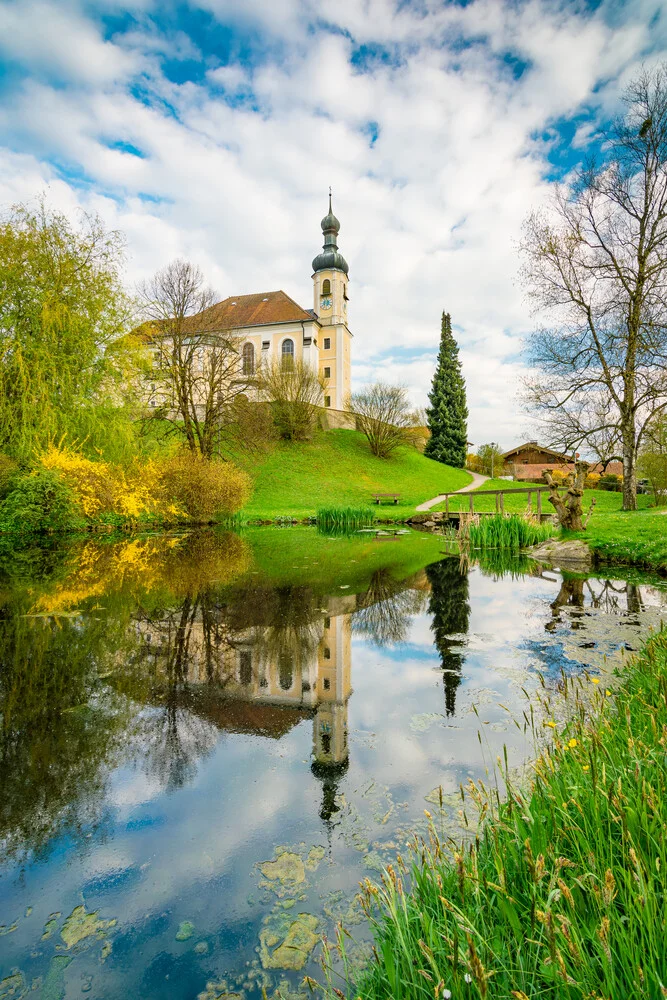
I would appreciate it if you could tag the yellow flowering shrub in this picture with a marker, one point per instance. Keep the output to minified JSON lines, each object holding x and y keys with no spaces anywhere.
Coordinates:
{"x":92,"y":482}
{"x":179,"y":488}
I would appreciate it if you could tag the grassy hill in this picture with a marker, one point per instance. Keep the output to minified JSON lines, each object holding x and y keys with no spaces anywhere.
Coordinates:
{"x":337,"y":468}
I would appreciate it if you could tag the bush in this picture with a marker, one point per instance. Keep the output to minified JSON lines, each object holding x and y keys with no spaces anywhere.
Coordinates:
{"x":611,"y":482}
{"x":592,"y":480}
{"x":40,"y":502}
{"x":204,"y":489}
{"x":8,"y":475}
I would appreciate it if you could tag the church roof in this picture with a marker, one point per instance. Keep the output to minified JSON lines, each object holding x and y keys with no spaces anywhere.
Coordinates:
{"x":262,"y":309}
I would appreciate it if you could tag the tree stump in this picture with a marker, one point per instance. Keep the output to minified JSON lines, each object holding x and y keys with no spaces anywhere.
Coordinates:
{"x":569,"y":509}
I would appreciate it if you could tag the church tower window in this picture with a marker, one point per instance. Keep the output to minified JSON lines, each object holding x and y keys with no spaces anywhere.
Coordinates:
{"x":326,"y":287}
{"x":248,"y":359}
{"x":288,"y":355}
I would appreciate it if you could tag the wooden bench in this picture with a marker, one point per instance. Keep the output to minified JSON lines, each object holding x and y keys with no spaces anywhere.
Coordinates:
{"x":379,"y":497}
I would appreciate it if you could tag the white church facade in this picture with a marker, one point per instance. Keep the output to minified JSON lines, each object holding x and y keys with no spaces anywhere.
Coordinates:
{"x":271,"y":326}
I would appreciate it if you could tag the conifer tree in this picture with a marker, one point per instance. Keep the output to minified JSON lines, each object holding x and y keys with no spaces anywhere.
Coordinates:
{"x":448,"y":412}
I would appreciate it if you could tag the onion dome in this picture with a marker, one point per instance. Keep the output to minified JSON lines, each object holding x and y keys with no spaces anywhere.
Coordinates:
{"x":330,"y":257}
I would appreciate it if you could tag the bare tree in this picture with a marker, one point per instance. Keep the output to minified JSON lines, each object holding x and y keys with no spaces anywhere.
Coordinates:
{"x":384,"y":415}
{"x":590,"y":423}
{"x":198,"y":369}
{"x":598,"y":264}
{"x":294,"y":391}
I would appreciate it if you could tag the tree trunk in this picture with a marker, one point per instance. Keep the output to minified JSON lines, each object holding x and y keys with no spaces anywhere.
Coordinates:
{"x":629,"y":464}
{"x":569,"y":509}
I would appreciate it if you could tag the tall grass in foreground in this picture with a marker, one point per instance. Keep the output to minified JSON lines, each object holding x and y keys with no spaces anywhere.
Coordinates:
{"x":500,"y":532}
{"x":563,"y":893}
{"x":346,"y":518}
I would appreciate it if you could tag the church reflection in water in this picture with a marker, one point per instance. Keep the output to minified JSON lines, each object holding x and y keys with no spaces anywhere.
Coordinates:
{"x":262,"y":660}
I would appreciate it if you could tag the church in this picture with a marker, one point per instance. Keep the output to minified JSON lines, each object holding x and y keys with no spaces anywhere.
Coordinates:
{"x":271,"y":326}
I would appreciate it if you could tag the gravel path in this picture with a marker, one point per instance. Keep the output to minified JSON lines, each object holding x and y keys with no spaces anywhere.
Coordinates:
{"x":477,"y":480}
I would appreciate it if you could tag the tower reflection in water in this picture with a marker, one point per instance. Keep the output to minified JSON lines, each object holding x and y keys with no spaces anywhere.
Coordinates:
{"x":263,"y":659}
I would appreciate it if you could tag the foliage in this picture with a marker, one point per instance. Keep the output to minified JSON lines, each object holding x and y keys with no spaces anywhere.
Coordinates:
{"x":592,"y":480}
{"x":490,"y":460}
{"x":39,"y":502}
{"x":384,"y":416}
{"x":448,"y":412}
{"x":653,"y":458}
{"x":65,"y":362}
{"x":505,"y":532}
{"x":198,"y":370}
{"x":345,"y":517}
{"x":595,"y":266}
{"x":561,"y":893}
{"x":8,"y":472}
{"x":294,"y":390}
{"x":610,"y":481}
{"x":204,"y":489}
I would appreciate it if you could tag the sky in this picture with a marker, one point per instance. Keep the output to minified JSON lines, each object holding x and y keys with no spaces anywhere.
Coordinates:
{"x":213,"y":131}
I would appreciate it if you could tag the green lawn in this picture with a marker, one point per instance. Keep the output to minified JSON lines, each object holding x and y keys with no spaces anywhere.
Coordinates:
{"x":337,"y":468}
{"x":636,"y":538}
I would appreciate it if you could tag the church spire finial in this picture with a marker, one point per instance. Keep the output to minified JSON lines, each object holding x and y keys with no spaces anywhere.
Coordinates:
{"x":330,"y":257}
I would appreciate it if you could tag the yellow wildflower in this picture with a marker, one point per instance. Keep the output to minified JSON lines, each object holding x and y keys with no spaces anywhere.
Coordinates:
{"x":608,"y":692}
{"x":572,"y":743}
{"x":595,"y":680}
{"x":551,"y":725}
{"x":586,"y":767}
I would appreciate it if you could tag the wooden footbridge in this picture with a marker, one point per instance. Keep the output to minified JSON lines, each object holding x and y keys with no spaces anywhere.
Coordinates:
{"x":529,"y":492}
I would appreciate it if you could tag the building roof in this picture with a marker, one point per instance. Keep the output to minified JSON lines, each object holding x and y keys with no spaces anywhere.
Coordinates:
{"x":559,"y":456}
{"x":262,"y":309}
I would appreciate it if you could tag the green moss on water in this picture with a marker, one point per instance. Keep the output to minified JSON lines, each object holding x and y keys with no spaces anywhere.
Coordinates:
{"x":80,"y":925}
{"x":185,"y":930}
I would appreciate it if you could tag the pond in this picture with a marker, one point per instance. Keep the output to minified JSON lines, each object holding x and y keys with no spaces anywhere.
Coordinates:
{"x":208,"y":740}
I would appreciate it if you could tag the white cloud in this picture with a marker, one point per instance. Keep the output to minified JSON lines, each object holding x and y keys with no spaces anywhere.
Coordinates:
{"x":432,"y":155}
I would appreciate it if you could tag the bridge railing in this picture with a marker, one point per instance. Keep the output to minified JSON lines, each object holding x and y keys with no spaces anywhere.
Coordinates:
{"x":500,"y":495}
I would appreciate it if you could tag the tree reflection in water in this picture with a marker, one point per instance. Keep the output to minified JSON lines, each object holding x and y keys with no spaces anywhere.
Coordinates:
{"x":576,"y":593}
{"x":386,"y":609}
{"x":450,"y":610}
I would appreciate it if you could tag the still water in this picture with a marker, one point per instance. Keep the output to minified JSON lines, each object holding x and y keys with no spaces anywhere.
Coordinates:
{"x":207,"y":741}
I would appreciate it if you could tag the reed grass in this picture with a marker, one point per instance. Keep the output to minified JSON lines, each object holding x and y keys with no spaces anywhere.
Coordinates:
{"x":345,"y":518}
{"x":562,"y":894}
{"x":504,"y":532}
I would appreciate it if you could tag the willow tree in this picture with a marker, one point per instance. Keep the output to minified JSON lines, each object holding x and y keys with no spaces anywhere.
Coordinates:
{"x":595,"y":264}
{"x":64,"y":354}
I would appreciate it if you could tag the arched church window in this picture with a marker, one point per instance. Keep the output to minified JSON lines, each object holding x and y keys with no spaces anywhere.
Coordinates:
{"x":326,"y":287}
{"x":288,"y":355}
{"x":248,"y":359}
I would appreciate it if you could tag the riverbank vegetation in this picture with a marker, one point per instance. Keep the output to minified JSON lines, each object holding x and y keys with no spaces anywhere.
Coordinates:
{"x":500,"y":532}
{"x":561,"y":893}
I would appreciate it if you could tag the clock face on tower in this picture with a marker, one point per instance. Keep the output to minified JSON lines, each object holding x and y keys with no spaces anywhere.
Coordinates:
{"x":325,"y":301}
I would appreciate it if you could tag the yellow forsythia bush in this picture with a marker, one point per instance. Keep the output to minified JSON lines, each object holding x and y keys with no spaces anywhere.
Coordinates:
{"x":100,"y":488}
{"x":592,"y":480}
{"x":92,"y":482}
{"x":178,"y":488}
{"x":204,"y":489}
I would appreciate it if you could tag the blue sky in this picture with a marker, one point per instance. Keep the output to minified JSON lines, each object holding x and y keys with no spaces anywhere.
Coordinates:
{"x":213,"y":131}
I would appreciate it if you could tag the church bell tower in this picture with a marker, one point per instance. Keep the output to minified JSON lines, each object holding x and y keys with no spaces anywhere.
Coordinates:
{"x":330,"y":291}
